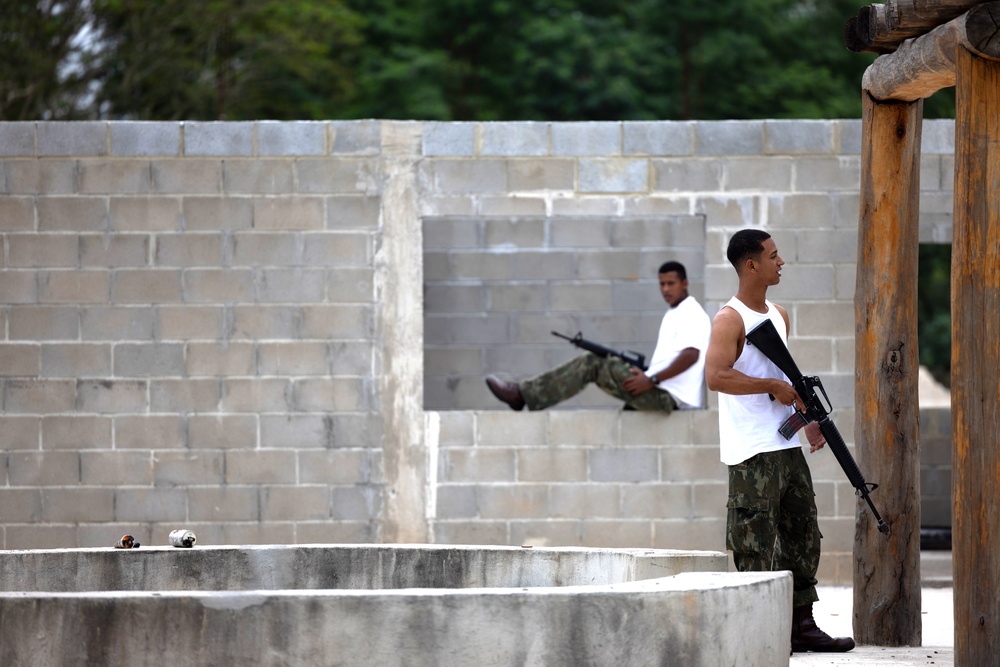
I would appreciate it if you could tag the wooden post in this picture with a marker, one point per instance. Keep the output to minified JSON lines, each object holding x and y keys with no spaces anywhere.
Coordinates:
{"x":887,"y":415}
{"x":975,"y":360}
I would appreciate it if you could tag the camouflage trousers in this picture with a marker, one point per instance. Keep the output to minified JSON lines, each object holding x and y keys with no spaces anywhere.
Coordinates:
{"x":572,"y":377}
{"x":771,"y":522}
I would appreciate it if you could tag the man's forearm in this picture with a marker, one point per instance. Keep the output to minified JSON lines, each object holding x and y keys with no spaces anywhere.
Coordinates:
{"x":685,"y":360}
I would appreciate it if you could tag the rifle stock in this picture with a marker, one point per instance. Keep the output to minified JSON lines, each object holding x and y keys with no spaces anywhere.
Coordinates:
{"x":628,"y":356}
{"x":766,"y":339}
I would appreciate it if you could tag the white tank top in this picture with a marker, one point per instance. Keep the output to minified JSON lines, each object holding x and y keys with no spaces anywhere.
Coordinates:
{"x":748,"y":424}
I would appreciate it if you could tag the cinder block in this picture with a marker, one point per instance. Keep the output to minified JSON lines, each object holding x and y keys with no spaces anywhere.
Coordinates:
{"x":347,"y":321}
{"x":544,"y":533}
{"x":271,"y":533}
{"x":800,"y":210}
{"x":337,"y":249}
{"x":147,"y":287}
{"x":356,"y":430}
{"x":188,"y":469}
{"x":146,"y":431}
{"x":284,"y":213}
{"x":332,"y":395}
{"x":337,"y":175}
{"x":586,"y":428}
{"x":336,"y":466}
{"x":486,"y":265}
{"x":798,"y":137}
{"x":515,"y":233}
{"x":224,"y":503}
{"x":505,"y":501}
{"x":222,"y":431}
{"x":435,"y":205}
{"x":295,"y":503}
{"x":521,"y":297}
{"x":36,"y":536}
{"x":114,"y":176}
{"x":260,"y":467}
{"x":298,"y":432}
{"x":937,"y":136}
{"x":640,"y":429}
{"x":72,"y":214}
{"x":850,"y":136}
{"x":503,"y":429}
{"x":454,"y":429}
{"x":188,"y":249}
{"x":20,"y":432}
{"x":218,"y":285}
{"x":608,"y":264}
{"x":457,"y":501}
{"x":295,"y":285}
{"x":79,"y":505}
{"x":215,"y":359}
{"x":707,"y":534}
{"x":17,"y":139}
{"x":688,"y":175}
{"x":548,"y":174}
{"x":183,"y":395}
{"x":43,"y":468}
{"x":258,"y":176}
{"x":350,"y":212}
{"x":35,"y":177}
{"x":189,"y":322}
{"x":552,"y":465}
{"x":658,"y":138}
{"x":512,"y":206}
{"x":72,"y":138}
{"x":692,"y":463}
{"x":823,"y":319}
{"x":140,"y":214}
{"x":580,"y":297}
{"x":477,"y":465}
{"x":748,"y":173}
{"x":291,"y":138}
{"x":729,"y":137}
{"x":470,"y":532}
{"x":355,"y":503}
{"x":39,"y":397}
{"x":76,"y":432}
{"x":17,"y":214}
{"x":20,"y":505}
{"x":584,"y":501}
{"x":74,"y":287}
{"x":109,"y":468}
{"x":828,"y":173}
{"x":641,"y":233}
{"x":217,"y":213}
{"x":20,"y":359}
{"x":263,"y":322}
{"x":114,"y":252}
{"x":247,"y":249}
{"x":515,"y":138}
{"x":655,"y":501}
{"x":452,"y":233}
{"x":218,"y":138}
{"x":145,"y":138}
{"x":614,"y":175}
{"x":149,"y":359}
{"x":638,"y":464}
{"x":587,"y":138}
{"x":657,"y":205}
{"x":356,"y":137}
{"x":617,"y":534}
{"x":293,"y":358}
{"x":40,"y":323}
{"x":468,"y":176}
{"x":111,"y":396}
{"x":186,"y":176}
{"x":736,"y":211}
{"x":449,"y":139}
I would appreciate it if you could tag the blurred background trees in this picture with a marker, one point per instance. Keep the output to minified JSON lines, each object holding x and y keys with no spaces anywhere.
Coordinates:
{"x":435,"y":59}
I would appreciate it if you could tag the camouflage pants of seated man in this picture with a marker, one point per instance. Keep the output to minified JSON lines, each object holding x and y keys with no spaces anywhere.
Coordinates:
{"x":572,"y":377}
{"x":771,"y":522}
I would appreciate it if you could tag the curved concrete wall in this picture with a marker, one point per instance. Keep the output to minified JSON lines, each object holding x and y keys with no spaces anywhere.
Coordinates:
{"x":692,"y":618}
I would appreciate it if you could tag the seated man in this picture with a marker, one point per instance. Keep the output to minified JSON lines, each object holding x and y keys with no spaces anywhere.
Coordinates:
{"x":675,"y":377}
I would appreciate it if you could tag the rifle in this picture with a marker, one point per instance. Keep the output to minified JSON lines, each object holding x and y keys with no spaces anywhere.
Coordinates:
{"x":766,"y":339}
{"x":628,"y":356}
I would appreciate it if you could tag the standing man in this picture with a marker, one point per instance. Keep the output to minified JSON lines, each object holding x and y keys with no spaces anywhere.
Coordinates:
{"x":675,"y":377}
{"x":771,"y":523}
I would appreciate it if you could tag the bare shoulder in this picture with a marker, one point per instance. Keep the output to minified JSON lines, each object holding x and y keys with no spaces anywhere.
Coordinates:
{"x":728,"y":322}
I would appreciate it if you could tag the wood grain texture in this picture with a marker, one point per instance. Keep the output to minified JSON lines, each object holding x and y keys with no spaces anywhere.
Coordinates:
{"x":975,"y":330}
{"x":887,"y":415}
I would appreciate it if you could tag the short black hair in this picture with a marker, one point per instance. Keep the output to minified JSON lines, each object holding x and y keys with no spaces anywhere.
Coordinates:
{"x":675,"y":267}
{"x":744,"y":244}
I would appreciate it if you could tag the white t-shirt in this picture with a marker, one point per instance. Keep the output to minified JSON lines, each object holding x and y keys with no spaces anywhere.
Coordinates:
{"x":683,"y":326}
{"x":748,"y":424}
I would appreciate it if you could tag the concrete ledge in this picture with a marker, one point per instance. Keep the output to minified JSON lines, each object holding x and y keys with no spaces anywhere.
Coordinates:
{"x":431,"y":606}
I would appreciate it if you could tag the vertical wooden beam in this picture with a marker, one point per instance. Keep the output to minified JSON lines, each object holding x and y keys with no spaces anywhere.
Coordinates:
{"x":887,"y":415}
{"x":975,"y":361}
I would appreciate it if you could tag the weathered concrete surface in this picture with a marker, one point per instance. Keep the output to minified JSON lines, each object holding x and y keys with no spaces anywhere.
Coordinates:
{"x":424,"y":606}
{"x":693,"y":619}
{"x":363,"y":567}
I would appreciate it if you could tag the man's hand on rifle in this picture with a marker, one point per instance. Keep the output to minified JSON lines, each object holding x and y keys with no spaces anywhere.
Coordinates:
{"x":638,"y":382}
{"x":814,"y":436}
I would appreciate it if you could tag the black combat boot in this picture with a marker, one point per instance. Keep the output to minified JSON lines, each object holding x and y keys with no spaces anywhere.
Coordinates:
{"x":806,"y":636}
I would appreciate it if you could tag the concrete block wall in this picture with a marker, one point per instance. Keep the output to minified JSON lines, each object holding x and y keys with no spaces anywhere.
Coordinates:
{"x":935,"y":467}
{"x":223,"y":324}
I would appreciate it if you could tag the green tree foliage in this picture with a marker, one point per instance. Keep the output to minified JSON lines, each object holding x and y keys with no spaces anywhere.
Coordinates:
{"x":38,"y":51}
{"x":223,"y":59}
{"x":934,"y":311}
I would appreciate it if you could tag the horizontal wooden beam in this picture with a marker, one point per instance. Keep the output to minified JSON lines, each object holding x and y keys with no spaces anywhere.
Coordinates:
{"x":881,"y":28}
{"x":924,"y":65}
